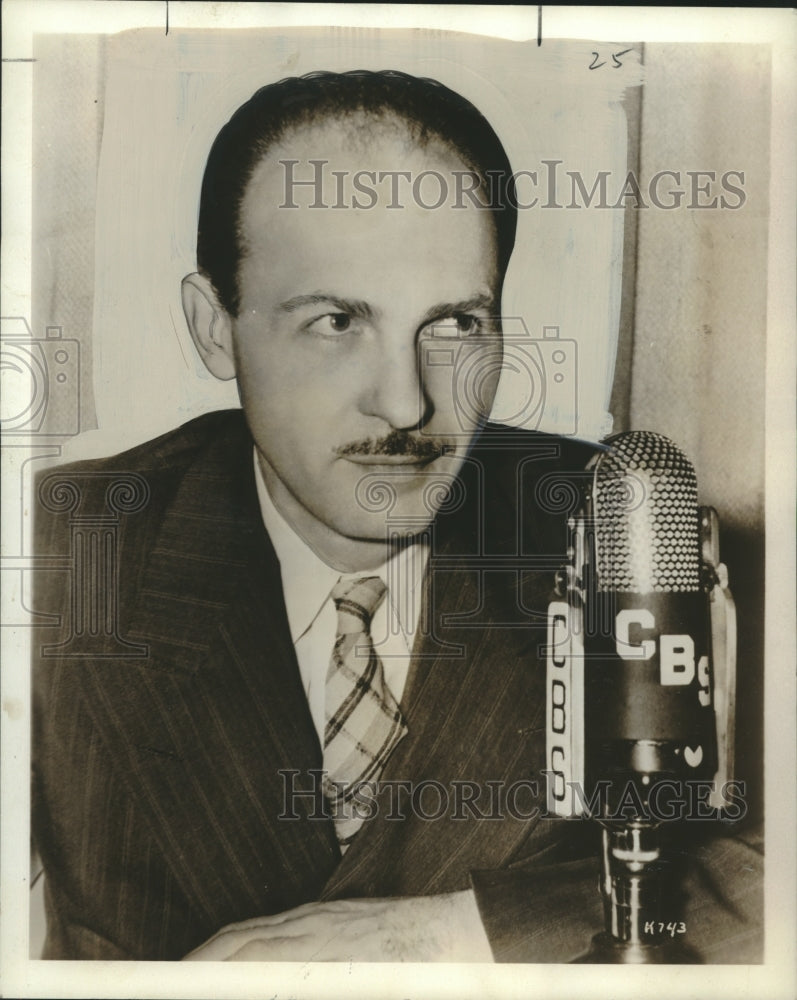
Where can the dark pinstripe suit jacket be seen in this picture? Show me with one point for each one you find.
(165, 713)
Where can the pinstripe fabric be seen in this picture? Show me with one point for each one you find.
(89, 889)
(177, 792)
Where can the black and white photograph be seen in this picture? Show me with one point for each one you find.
(398, 500)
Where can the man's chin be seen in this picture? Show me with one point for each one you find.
(399, 503)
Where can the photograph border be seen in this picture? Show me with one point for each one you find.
(22, 19)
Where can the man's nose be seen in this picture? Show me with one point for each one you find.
(396, 391)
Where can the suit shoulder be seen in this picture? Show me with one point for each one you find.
(503, 448)
(167, 453)
(139, 481)
(525, 484)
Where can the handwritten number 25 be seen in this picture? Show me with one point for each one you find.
(616, 64)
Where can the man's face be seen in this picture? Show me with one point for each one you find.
(338, 310)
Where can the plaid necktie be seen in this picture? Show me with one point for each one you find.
(363, 720)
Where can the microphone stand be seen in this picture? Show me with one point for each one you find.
(632, 882)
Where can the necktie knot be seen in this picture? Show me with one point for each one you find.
(357, 601)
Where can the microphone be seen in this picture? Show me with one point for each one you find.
(640, 675)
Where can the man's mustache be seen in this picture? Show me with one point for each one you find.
(397, 443)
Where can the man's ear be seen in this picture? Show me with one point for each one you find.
(210, 326)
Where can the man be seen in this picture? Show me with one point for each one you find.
(330, 605)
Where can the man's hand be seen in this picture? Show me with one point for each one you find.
(409, 929)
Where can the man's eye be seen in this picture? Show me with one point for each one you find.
(457, 325)
(331, 325)
(467, 325)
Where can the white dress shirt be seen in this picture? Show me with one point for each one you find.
(312, 618)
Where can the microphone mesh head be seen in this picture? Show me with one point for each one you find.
(646, 517)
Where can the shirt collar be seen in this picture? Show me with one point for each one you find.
(307, 580)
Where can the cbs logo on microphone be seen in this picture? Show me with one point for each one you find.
(538, 375)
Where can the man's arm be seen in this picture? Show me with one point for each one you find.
(445, 928)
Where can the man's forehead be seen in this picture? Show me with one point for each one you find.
(361, 129)
(364, 127)
(337, 161)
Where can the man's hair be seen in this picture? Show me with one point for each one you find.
(430, 111)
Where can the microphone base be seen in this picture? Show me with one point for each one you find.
(607, 950)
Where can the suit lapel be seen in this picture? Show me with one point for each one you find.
(205, 724)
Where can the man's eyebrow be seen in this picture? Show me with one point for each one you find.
(352, 307)
(480, 301)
